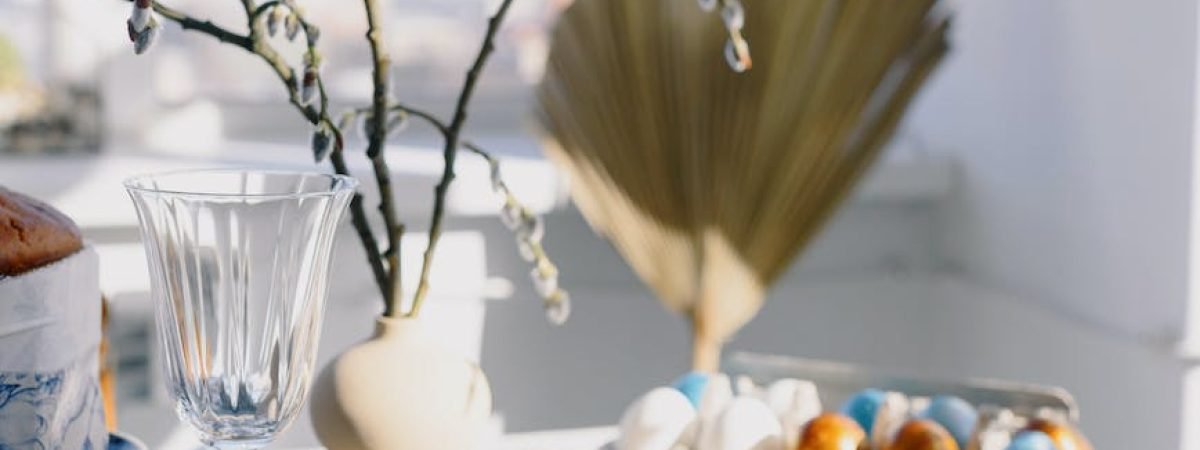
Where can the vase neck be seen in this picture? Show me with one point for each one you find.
(386, 327)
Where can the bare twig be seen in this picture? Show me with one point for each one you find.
(375, 151)
(451, 150)
(380, 60)
(358, 213)
(427, 117)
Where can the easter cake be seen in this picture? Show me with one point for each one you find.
(32, 234)
(50, 323)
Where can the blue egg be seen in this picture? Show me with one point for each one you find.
(692, 385)
(955, 415)
(863, 407)
(1031, 440)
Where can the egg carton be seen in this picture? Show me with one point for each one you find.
(838, 381)
(766, 402)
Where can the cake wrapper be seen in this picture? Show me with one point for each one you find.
(49, 357)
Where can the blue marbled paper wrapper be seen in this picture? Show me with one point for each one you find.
(49, 346)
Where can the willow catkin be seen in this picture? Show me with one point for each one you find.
(709, 182)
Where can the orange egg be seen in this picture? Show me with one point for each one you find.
(831, 432)
(921, 434)
(1064, 436)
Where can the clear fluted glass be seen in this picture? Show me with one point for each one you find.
(239, 264)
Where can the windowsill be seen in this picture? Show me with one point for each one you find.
(88, 188)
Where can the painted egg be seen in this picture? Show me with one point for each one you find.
(922, 434)
(1064, 436)
(832, 432)
(656, 420)
(692, 386)
(863, 406)
(744, 424)
(955, 415)
(1031, 440)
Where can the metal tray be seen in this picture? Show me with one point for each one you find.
(838, 381)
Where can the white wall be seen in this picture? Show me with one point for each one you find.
(1073, 122)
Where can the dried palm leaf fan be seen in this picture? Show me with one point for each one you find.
(708, 181)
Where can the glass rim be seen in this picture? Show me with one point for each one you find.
(341, 183)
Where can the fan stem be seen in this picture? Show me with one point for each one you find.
(706, 352)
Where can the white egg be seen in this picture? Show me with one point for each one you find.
(893, 413)
(689, 437)
(790, 395)
(746, 388)
(744, 424)
(656, 420)
(772, 443)
(717, 394)
(795, 402)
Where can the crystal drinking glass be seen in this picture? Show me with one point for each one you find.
(239, 264)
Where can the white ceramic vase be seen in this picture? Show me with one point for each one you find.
(400, 390)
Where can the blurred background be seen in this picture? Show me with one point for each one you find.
(1033, 220)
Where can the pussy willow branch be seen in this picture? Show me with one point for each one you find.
(375, 151)
(288, 75)
(254, 43)
(262, 9)
(388, 280)
(431, 119)
(450, 151)
(438, 125)
(542, 260)
(358, 214)
(203, 26)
